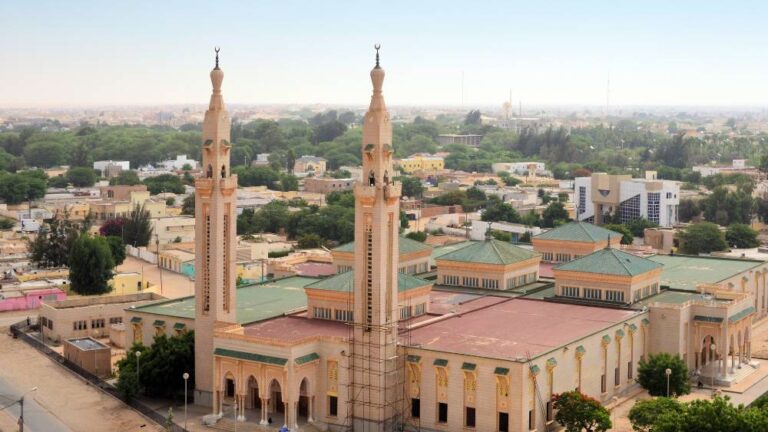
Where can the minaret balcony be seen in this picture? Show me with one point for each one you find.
(393, 190)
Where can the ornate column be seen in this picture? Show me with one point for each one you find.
(295, 416)
(286, 410)
(241, 408)
(264, 409)
(311, 408)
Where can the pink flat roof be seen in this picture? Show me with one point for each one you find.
(294, 328)
(516, 327)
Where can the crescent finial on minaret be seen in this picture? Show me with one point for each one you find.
(217, 49)
(377, 46)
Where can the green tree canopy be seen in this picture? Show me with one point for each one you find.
(419, 236)
(164, 183)
(577, 412)
(412, 187)
(703, 237)
(554, 214)
(741, 236)
(651, 374)
(128, 178)
(81, 176)
(645, 413)
(626, 235)
(137, 229)
(117, 248)
(188, 205)
(20, 187)
(688, 209)
(500, 211)
(162, 366)
(90, 265)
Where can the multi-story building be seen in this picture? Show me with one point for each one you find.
(327, 185)
(421, 162)
(309, 165)
(468, 139)
(602, 195)
(521, 168)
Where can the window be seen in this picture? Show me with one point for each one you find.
(469, 417)
(521, 280)
(405, 312)
(442, 412)
(420, 309)
(503, 422)
(549, 410)
(629, 209)
(569, 291)
(593, 294)
(322, 313)
(333, 406)
(616, 379)
(654, 199)
(614, 296)
(582, 207)
(115, 320)
(490, 284)
(97, 323)
(450, 280)
(471, 281)
(343, 315)
(546, 256)
(530, 420)
(415, 408)
(561, 257)
(79, 325)
(629, 369)
(603, 383)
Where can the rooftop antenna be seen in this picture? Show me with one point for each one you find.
(217, 49)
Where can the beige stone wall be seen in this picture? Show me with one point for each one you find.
(500, 273)
(145, 330)
(87, 311)
(410, 264)
(97, 361)
(550, 249)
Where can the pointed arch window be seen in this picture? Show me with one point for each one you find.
(209, 171)
(371, 179)
(223, 171)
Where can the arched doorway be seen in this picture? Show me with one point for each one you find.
(707, 353)
(229, 385)
(254, 401)
(276, 397)
(304, 402)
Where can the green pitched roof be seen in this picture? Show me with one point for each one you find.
(490, 252)
(579, 232)
(249, 356)
(307, 358)
(610, 261)
(345, 281)
(406, 245)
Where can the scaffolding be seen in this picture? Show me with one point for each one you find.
(377, 392)
(538, 399)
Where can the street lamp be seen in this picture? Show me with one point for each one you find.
(667, 372)
(186, 377)
(138, 369)
(21, 405)
(713, 350)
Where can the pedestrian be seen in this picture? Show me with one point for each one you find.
(27, 321)
(269, 420)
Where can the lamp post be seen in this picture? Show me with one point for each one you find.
(138, 369)
(713, 350)
(21, 406)
(186, 377)
(667, 372)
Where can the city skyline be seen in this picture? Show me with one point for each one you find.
(684, 54)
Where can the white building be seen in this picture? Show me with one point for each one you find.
(521, 168)
(179, 163)
(102, 165)
(602, 194)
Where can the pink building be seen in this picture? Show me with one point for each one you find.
(20, 299)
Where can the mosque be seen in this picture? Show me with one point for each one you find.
(483, 343)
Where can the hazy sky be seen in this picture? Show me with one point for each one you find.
(547, 52)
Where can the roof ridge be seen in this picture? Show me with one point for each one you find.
(586, 231)
(496, 249)
(613, 252)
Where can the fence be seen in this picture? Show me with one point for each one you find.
(20, 331)
(141, 253)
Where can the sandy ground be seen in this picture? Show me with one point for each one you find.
(173, 284)
(62, 394)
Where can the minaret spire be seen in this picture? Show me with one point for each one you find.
(217, 49)
(377, 46)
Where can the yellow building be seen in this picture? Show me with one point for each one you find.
(421, 162)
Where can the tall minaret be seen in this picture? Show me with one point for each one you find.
(377, 214)
(215, 241)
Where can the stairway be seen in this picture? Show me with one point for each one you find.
(228, 425)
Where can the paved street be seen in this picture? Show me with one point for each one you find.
(63, 402)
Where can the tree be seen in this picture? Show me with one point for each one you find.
(741, 236)
(112, 227)
(90, 265)
(164, 183)
(500, 211)
(702, 415)
(58, 182)
(53, 243)
(329, 131)
(81, 176)
(626, 235)
(310, 241)
(46, 153)
(688, 210)
(473, 118)
(578, 412)
(651, 375)
(645, 413)
(137, 229)
(412, 187)
(128, 178)
(188, 205)
(419, 236)
(162, 366)
(637, 226)
(20, 187)
(703, 237)
(289, 182)
(117, 248)
(554, 214)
